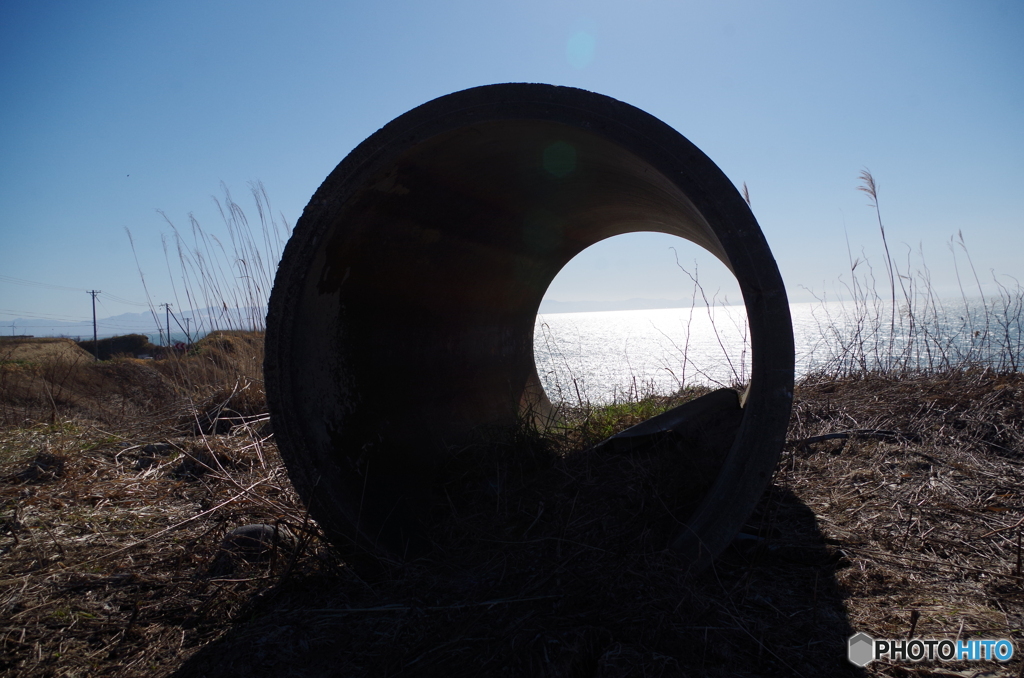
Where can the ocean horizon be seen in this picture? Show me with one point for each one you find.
(604, 356)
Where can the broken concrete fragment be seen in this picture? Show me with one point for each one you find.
(717, 412)
(143, 463)
(255, 542)
(698, 435)
(45, 466)
(163, 449)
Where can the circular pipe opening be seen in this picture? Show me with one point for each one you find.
(636, 315)
(401, 320)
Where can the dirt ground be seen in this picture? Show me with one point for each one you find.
(897, 509)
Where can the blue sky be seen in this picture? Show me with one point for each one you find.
(112, 110)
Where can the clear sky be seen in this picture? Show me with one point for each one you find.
(112, 110)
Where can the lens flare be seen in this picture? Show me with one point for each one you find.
(560, 159)
(580, 49)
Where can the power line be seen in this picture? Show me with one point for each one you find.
(124, 301)
(77, 329)
(27, 314)
(188, 337)
(75, 323)
(32, 283)
(48, 286)
(110, 326)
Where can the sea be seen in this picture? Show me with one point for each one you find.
(608, 356)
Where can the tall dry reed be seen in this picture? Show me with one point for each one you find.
(222, 281)
(901, 326)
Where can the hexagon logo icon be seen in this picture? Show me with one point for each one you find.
(861, 649)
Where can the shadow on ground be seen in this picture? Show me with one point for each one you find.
(769, 607)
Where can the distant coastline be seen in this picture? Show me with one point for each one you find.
(150, 323)
(154, 324)
(551, 306)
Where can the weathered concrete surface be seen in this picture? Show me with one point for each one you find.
(255, 542)
(697, 435)
(709, 420)
(401, 320)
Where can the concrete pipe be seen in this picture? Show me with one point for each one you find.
(401, 320)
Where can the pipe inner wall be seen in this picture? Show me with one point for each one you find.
(401, 320)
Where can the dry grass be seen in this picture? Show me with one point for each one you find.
(109, 562)
(552, 564)
(115, 499)
(55, 389)
(904, 328)
(38, 349)
(930, 519)
(221, 377)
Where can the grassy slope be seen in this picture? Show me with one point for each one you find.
(35, 350)
(111, 566)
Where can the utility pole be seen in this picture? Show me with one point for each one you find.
(95, 341)
(167, 313)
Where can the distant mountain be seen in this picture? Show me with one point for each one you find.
(551, 306)
(197, 322)
(204, 320)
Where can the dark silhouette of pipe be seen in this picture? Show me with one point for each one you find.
(401, 320)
